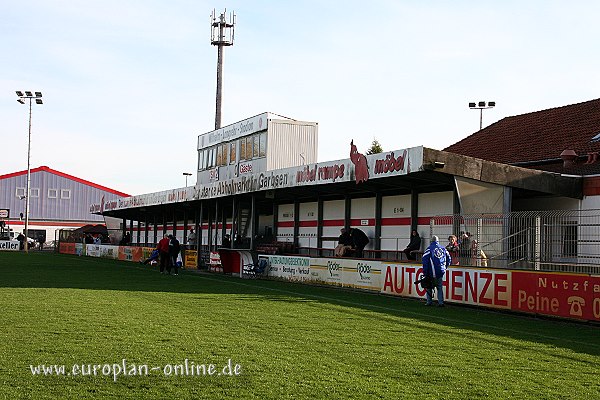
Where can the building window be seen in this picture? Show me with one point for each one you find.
(34, 192)
(52, 193)
(200, 160)
(65, 194)
(219, 155)
(249, 145)
(263, 145)
(20, 193)
(242, 149)
(232, 157)
(255, 139)
(224, 154)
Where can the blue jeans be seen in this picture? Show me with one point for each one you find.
(437, 282)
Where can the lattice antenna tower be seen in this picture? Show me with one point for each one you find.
(222, 30)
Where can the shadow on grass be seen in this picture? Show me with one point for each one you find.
(47, 270)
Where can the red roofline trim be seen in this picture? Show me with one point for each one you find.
(62, 174)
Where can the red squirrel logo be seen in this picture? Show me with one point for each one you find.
(361, 169)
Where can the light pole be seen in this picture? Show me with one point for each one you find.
(186, 174)
(482, 106)
(38, 100)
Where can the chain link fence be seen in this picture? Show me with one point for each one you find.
(563, 240)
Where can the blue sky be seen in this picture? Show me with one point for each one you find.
(129, 84)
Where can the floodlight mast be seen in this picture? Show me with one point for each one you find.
(222, 34)
(482, 105)
(38, 100)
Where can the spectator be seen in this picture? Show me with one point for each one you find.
(21, 239)
(413, 245)
(174, 249)
(453, 248)
(126, 240)
(359, 241)
(226, 242)
(163, 249)
(153, 257)
(191, 240)
(464, 244)
(478, 257)
(435, 261)
(344, 243)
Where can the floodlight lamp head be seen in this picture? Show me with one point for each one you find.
(38, 94)
(482, 104)
(472, 105)
(38, 101)
(19, 93)
(491, 104)
(28, 93)
(21, 101)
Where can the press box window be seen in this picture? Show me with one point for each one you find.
(263, 145)
(52, 193)
(20, 193)
(34, 192)
(200, 160)
(65, 194)
(232, 157)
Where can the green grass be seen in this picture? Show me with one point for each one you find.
(291, 340)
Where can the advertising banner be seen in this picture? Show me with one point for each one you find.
(289, 268)
(327, 271)
(484, 287)
(564, 295)
(104, 251)
(191, 259)
(127, 253)
(10, 245)
(67, 248)
(361, 274)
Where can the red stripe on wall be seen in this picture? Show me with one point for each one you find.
(62, 174)
(285, 224)
(333, 222)
(307, 224)
(53, 223)
(423, 220)
(395, 221)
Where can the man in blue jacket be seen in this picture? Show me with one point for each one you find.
(435, 261)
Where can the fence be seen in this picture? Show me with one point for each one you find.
(564, 240)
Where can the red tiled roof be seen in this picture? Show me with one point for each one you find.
(62, 174)
(540, 135)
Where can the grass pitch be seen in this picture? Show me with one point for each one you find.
(288, 340)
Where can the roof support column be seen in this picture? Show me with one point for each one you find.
(253, 221)
(155, 230)
(378, 206)
(275, 221)
(296, 224)
(414, 211)
(234, 224)
(320, 226)
(347, 211)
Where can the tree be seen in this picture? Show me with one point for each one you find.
(375, 148)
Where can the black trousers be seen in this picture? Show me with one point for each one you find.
(165, 262)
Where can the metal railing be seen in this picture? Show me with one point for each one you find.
(561, 240)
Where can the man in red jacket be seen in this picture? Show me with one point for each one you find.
(163, 248)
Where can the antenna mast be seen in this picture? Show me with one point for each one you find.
(221, 34)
